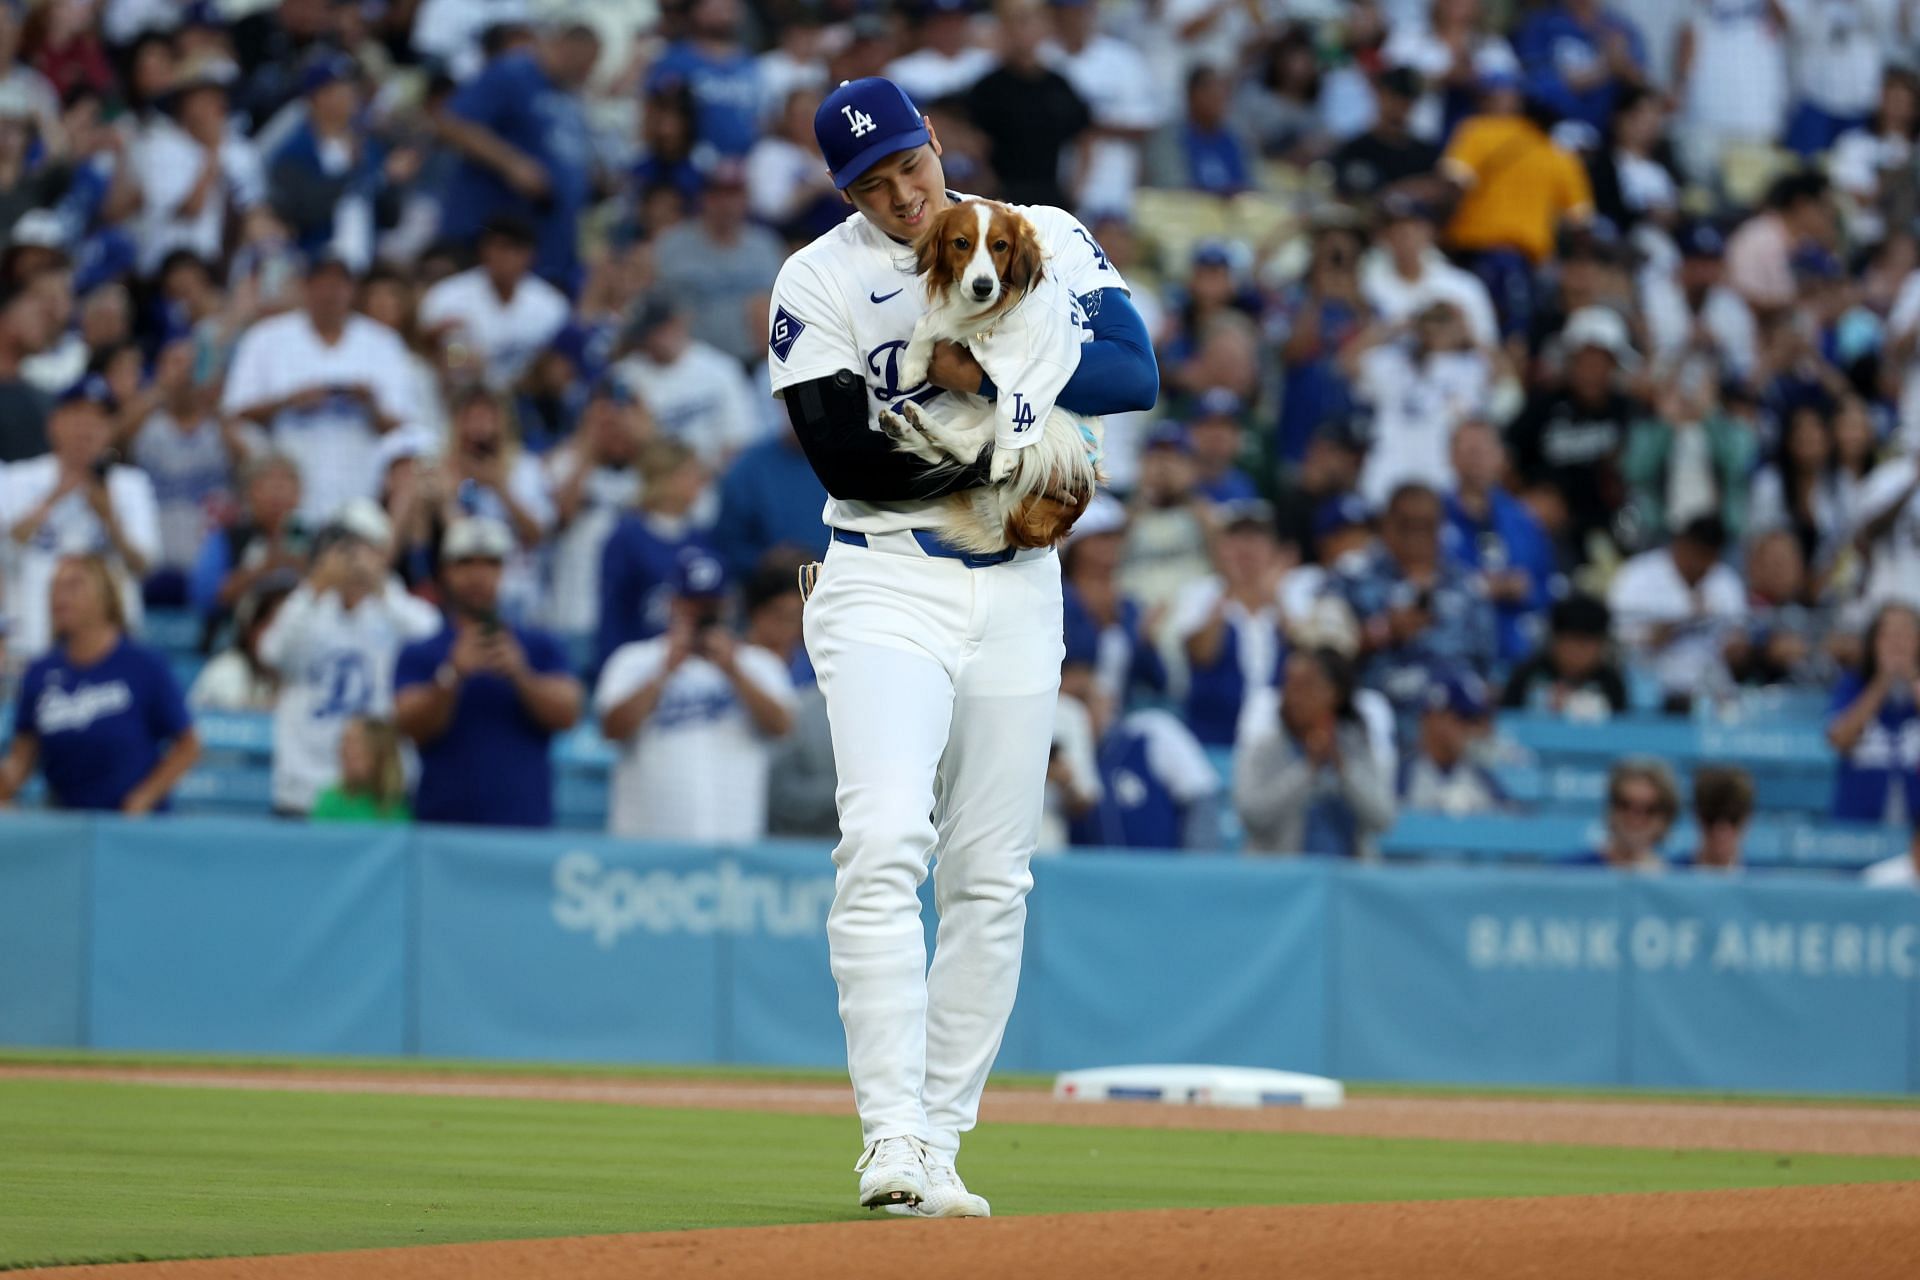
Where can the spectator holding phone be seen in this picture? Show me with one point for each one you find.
(1875, 724)
(695, 714)
(334, 642)
(483, 699)
(74, 500)
(1310, 779)
(99, 714)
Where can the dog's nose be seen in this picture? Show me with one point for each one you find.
(982, 288)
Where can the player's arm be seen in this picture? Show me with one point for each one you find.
(1118, 371)
(859, 464)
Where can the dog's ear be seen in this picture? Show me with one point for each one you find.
(1027, 265)
(929, 256)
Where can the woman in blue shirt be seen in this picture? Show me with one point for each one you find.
(1875, 724)
(100, 715)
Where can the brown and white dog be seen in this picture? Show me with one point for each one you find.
(978, 261)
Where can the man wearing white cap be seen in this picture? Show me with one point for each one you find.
(482, 698)
(1569, 438)
(334, 642)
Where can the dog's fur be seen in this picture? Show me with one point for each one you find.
(977, 261)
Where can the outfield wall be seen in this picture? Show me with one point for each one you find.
(262, 937)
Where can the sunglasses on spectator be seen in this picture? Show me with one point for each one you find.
(1639, 808)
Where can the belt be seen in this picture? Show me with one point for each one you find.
(934, 545)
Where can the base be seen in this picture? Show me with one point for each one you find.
(1199, 1086)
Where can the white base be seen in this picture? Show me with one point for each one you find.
(1199, 1086)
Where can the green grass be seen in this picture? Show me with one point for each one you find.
(102, 1172)
(29, 1057)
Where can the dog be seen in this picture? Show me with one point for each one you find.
(981, 263)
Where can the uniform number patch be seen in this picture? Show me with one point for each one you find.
(786, 331)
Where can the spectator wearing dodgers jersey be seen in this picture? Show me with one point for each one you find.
(73, 499)
(696, 393)
(483, 698)
(1116, 82)
(521, 132)
(499, 312)
(99, 714)
(325, 383)
(694, 713)
(334, 642)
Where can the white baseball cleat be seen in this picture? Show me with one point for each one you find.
(893, 1173)
(947, 1196)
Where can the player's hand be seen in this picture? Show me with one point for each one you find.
(139, 802)
(953, 368)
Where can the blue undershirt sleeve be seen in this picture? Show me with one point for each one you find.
(1118, 372)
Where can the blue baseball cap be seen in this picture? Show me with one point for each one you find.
(700, 575)
(863, 122)
(1816, 263)
(1701, 239)
(91, 389)
(326, 69)
(1167, 435)
(1347, 512)
(1461, 692)
(1212, 253)
(1218, 402)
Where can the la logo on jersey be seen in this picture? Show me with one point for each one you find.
(859, 121)
(1022, 412)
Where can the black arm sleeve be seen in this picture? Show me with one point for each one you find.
(857, 463)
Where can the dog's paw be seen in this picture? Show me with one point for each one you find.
(917, 417)
(897, 427)
(1005, 463)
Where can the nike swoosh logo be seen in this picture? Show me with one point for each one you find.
(874, 297)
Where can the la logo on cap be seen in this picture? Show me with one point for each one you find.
(859, 121)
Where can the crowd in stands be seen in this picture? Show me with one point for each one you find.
(1519, 356)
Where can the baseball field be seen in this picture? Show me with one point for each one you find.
(286, 1169)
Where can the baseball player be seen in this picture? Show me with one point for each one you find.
(940, 669)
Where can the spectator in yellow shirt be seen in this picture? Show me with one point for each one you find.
(1517, 186)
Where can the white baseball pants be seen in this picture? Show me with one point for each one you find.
(940, 684)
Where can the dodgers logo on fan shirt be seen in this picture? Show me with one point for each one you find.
(786, 331)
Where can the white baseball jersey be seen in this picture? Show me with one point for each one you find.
(573, 598)
(192, 480)
(703, 399)
(850, 299)
(1896, 553)
(71, 528)
(332, 442)
(697, 768)
(506, 333)
(334, 663)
